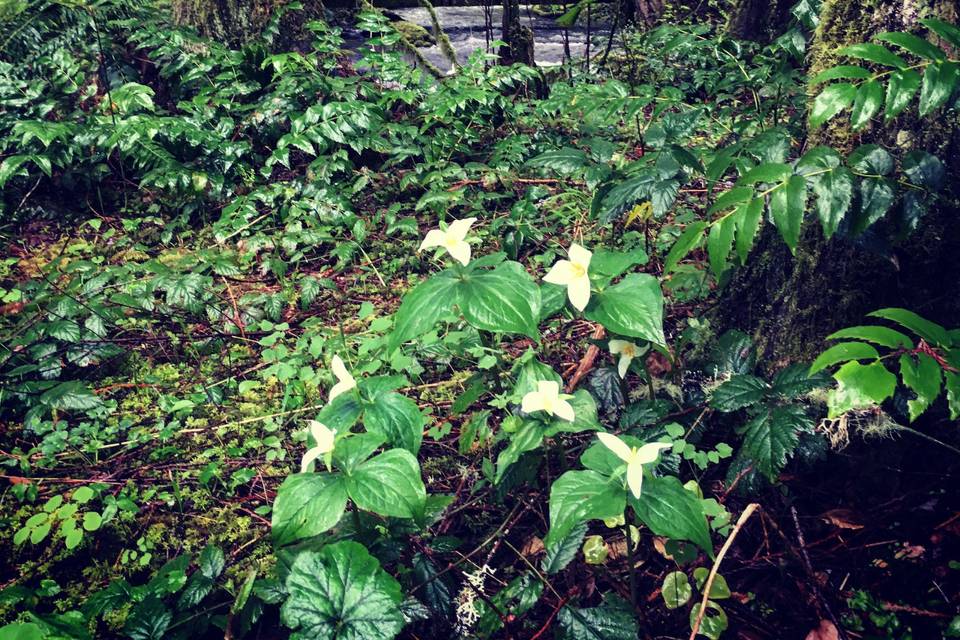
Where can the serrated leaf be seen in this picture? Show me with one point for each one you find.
(435, 591)
(840, 72)
(748, 224)
(922, 375)
(939, 82)
(929, 331)
(787, 206)
(832, 183)
(720, 241)
(883, 336)
(860, 386)
(831, 101)
(866, 105)
(844, 352)
(563, 552)
(770, 438)
(914, 44)
(901, 88)
(874, 53)
(563, 161)
(614, 619)
(738, 392)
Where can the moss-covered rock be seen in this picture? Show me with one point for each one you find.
(417, 36)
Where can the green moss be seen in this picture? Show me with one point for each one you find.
(415, 34)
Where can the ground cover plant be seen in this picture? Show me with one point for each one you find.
(301, 340)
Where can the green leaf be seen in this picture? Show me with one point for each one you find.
(423, 307)
(831, 101)
(563, 161)
(795, 380)
(714, 622)
(689, 239)
(354, 449)
(578, 496)
(527, 438)
(720, 241)
(739, 392)
(771, 173)
(70, 396)
(91, 521)
(770, 438)
(341, 593)
(866, 105)
(874, 53)
(947, 31)
(860, 386)
(929, 331)
(676, 590)
(307, 505)
(398, 419)
(148, 620)
(901, 88)
(832, 183)
(670, 510)
(719, 590)
(614, 263)
(939, 81)
(787, 205)
(952, 383)
(748, 223)
(844, 352)
(922, 375)
(561, 554)
(732, 198)
(633, 307)
(614, 619)
(883, 336)
(840, 72)
(435, 590)
(505, 300)
(914, 44)
(388, 484)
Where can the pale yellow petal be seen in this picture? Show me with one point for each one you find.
(615, 444)
(458, 229)
(549, 388)
(340, 369)
(341, 387)
(616, 346)
(460, 251)
(624, 365)
(434, 238)
(649, 452)
(579, 255)
(532, 402)
(564, 410)
(561, 273)
(579, 292)
(308, 457)
(635, 478)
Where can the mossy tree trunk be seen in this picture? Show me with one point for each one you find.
(790, 303)
(518, 37)
(760, 20)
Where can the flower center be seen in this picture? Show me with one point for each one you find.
(578, 270)
(630, 351)
(449, 242)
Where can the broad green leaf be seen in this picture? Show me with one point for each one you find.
(388, 484)
(831, 101)
(423, 307)
(670, 510)
(70, 396)
(563, 161)
(148, 620)
(398, 419)
(341, 593)
(689, 239)
(599, 458)
(914, 44)
(939, 81)
(748, 223)
(307, 505)
(795, 380)
(771, 172)
(633, 307)
(720, 241)
(787, 206)
(527, 438)
(739, 392)
(947, 31)
(614, 263)
(579, 496)
(770, 437)
(341, 413)
(614, 619)
(354, 448)
(561, 554)
(676, 590)
(866, 105)
(585, 416)
(929, 331)
(732, 198)
(844, 352)
(924, 169)
(505, 300)
(435, 590)
(714, 621)
(832, 183)
(840, 72)
(860, 386)
(883, 336)
(922, 375)
(874, 53)
(951, 381)
(719, 590)
(901, 88)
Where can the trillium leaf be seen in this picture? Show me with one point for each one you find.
(388, 484)
(672, 511)
(505, 300)
(307, 505)
(633, 307)
(578, 496)
(341, 593)
(423, 307)
(398, 419)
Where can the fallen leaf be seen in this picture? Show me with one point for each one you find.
(842, 518)
(826, 631)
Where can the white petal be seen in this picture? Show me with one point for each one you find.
(564, 410)
(549, 389)
(532, 402)
(616, 346)
(434, 238)
(341, 387)
(579, 255)
(460, 251)
(615, 444)
(649, 452)
(624, 365)
(561, 273)
(579, 292)
(308, 457)
(635, 478)
(458, 229)
(340, 369)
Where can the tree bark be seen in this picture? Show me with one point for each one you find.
(790, 304)
(760, 20)
(518, 37)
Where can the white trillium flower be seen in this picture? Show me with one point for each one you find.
(451, 239)
(345, 381)
(572, 274)
(324, 437)
(548, 398)
(627, 352)
(634, 457)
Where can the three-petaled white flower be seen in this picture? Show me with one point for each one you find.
(324, 438)
(547, 398)
(635, 457)
(627, 352)
(451, 239)
(345, 381)
(573, 275)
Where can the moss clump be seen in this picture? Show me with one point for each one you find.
(417, 36)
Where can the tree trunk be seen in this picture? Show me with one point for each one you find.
(229, 21)
(518, 37)
(761, 20)
(790, 303)
(647, 12)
